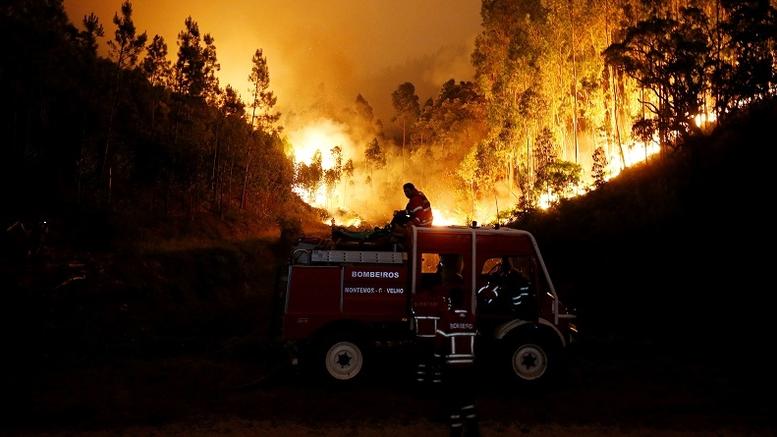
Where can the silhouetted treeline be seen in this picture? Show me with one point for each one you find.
(132, 133)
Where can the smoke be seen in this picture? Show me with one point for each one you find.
(349, 46)
(426, 73)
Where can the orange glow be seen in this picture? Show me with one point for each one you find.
(350, 200)
(343, 48)
(547, 200)
(634, 152)
(320, 136)
(346, 221)
(443, 217)
(320, 56)
(705, 120)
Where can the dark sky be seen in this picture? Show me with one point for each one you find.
(342, 47)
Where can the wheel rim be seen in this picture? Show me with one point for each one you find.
(530, 362)
(344, 360)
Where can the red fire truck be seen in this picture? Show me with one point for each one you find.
(341, 301)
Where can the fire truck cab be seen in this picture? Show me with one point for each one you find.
(340, 302)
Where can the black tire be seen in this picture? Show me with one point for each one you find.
(531, 360)
(341, 358)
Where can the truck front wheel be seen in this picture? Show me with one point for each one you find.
(531, 361)
(343, 359)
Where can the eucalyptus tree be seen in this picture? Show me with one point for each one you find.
(747, 71)
(670, 58)
(506, 69)
(364, 109)
(374, 155)
(406, 110)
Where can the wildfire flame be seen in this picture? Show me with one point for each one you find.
(444, 217)
(705, 120)
(634, 153)
(321, 136)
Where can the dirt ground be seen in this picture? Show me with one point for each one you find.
(240, 427)
(217, 394)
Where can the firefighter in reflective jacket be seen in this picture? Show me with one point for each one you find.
(418, 211)
(454, 350)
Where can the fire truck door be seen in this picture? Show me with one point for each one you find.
(443, 271)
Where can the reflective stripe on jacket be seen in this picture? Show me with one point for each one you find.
(455, 339)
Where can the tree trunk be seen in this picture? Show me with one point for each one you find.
(718, 49)
(509, 173)
(529, 160)
(108, 147)
(229, 182)
(215, 160)
(112, 112)
(615, 119)
(404, 126)
(244, 195)
(574, 83)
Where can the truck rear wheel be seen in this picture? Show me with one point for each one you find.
(343, 359)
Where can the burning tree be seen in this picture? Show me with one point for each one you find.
(555, 178)
(374, 155)
(599, 168)
(310, 176)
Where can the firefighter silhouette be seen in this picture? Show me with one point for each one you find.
(446, 353)
(455, 343)
(508, 291)
(454, 351)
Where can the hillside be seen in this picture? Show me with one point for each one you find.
(674, 253)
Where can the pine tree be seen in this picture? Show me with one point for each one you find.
(93, 29)
(126, 45)
(125, 49)
(263, 115)
(155, 66)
